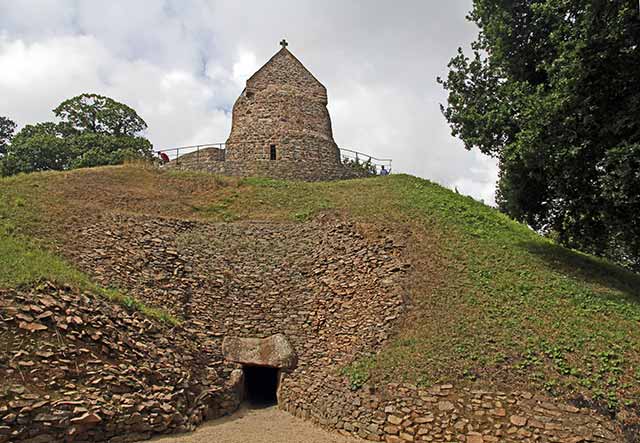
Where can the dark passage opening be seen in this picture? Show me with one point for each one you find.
(273, 152)
(261, 385)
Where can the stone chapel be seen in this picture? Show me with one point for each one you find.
(280, 128)
(282, 117)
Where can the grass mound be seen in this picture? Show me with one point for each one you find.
(26, 256)
(492, 302)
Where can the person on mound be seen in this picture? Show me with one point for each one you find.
(384, 171)
(164, 158)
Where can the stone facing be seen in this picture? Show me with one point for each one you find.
(281, 169)
(334, 289)
(80, 368)
(399, 413)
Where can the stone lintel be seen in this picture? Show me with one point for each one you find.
(273, 352)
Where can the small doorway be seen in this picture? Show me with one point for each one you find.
(261, 385)
(272, 152)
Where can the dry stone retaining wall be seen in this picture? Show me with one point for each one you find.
(334, 293)
(79, 368)
(282, 169)
(404, 413)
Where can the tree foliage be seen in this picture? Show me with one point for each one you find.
(366, 167)
(552, 90)
(102, 149)
(40, 152)
(7, 128)
(93, 131)
(98, 114)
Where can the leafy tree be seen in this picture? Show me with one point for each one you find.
(29, 131)
(101, 149)
(99, 114)
(7, 128)
(40, 152)
(552, 91)
(94, 131)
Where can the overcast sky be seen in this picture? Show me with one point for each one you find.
(182, 63)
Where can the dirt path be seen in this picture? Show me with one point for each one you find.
(269, 425)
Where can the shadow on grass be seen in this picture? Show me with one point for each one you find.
(585, 267)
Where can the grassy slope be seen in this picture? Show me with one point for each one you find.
(26, 258)
(493, 302)
(515, 308)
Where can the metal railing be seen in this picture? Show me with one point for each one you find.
(176, 153)
(346, 156)
(349, 155)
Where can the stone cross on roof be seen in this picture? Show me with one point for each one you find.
(284, 43)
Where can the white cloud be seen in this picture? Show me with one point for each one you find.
(181, 65)
(32, 81)
(174, 103)
(244, 68)
(481, 181)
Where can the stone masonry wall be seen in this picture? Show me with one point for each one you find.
(336, 295)
(202, 156)
(333, 288)
(309, 168)
(398, 413)
(76, 367)
(285, 106)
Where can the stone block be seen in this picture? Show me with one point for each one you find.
(273, 352)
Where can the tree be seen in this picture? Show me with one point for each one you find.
(98, 114)
(552, 91)
(41, 152)
(101, 149)
(29, 131)
(7, 128)
(94, 131)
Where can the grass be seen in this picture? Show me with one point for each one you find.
(492, 302)
(515, 308)
(359, 372)
(24, 261)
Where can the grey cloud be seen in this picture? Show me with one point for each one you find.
(180, 62)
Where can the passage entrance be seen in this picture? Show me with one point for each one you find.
(261, 385)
